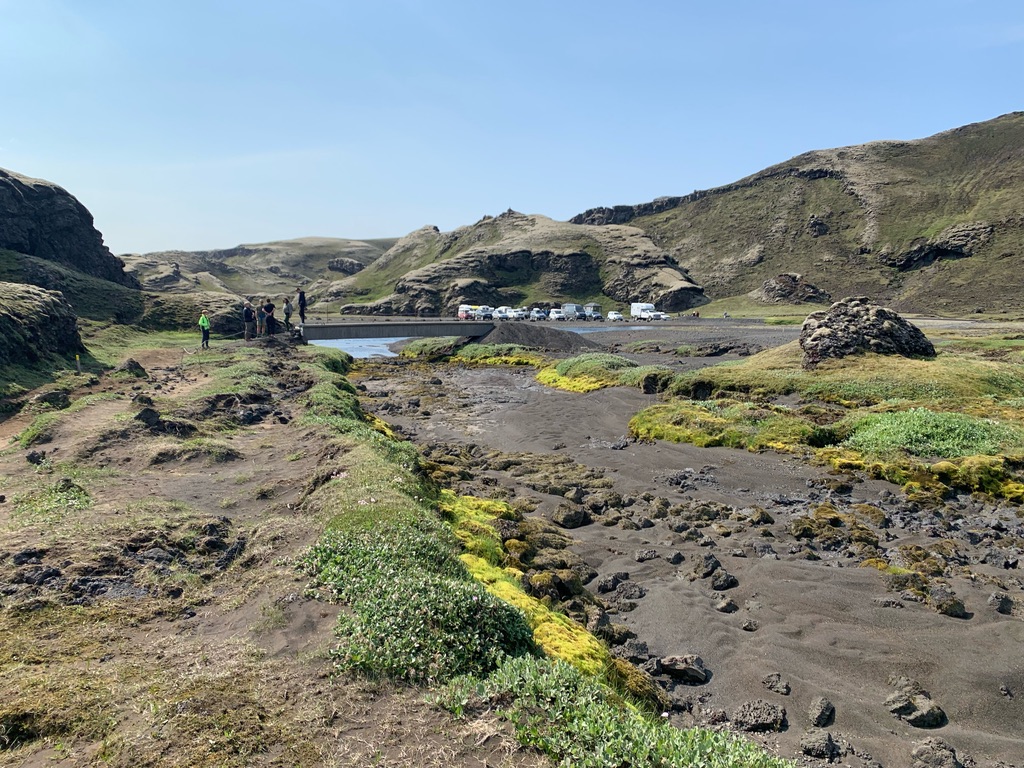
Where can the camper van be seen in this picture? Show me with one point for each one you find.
(639, 310)
(466, 312)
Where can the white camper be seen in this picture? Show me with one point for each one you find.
(639, 310)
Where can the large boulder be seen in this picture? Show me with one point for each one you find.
(855, 325)
(790, 288)
(40, 219)
(35, 325)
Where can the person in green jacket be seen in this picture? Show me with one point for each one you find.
(204, 325)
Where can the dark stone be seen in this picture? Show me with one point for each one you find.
(705, 565)
(688, 669)
(819, 744)
(570, 516)
(55, 398)
(722, 580)
(776, 684)
(643, 555)
(854, 325)
(913, 705)
(132, 367)
(821, 712)
(935, 753)
(759, 715)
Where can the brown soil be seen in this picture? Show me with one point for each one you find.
(166, 624)
(803, 610)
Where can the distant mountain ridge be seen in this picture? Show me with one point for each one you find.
(934, 224)
(263, 268)
(930, 225)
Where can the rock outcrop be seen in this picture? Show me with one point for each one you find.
(35, 324)
(790, 288)
(854, 325)
(503, 259)
(41, 219)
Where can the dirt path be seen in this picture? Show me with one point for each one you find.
(805, 615)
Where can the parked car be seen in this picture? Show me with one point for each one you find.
(503, 313)
(484, 313)
(556, 314)
(466, 312)
(615, 317)
(538, 314)
(592, 311)
(572, 312)
(660, 315)
(520, 313)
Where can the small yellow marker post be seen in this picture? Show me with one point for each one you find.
(78, 364)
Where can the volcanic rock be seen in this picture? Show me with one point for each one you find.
(759, 715)
(913, 705)
(854, 325)
(819, 744)
(35, 323)
(687, 669)
(935, 753)
(790, 288)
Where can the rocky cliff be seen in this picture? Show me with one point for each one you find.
(41, 219)
(35, 325)
(516, 259)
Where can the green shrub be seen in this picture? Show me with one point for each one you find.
(561, 712)
(415, 613)
(922, 432)
(596, 364)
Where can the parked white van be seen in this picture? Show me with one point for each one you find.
(640, 310)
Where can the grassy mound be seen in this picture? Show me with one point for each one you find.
(931, 425)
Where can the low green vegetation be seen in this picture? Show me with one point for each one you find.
(929, 425)
(569, 716)
(448, 349)
(927, 434)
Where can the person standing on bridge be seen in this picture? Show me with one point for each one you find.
(268, 310)
(249, 320)
(301, 301)
(287, 309)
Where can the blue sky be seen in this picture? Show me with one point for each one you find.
(196, 124)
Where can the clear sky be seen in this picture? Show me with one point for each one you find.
(199, 124)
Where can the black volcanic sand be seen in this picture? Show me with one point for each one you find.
(826, 626)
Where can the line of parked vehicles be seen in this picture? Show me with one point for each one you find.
(567, 312)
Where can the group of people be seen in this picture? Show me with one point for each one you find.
(261, 320)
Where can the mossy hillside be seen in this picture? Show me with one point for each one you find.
(878, 198)
(91, 297)
(414, 611)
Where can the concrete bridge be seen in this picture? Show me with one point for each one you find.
(394, 327)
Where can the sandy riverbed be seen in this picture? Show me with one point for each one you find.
(824, 626)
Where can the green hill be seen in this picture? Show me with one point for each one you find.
(935, 224)
(274, 268)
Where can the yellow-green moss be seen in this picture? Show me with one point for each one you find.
(552, 378)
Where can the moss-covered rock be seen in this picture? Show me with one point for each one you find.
(36, 325)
